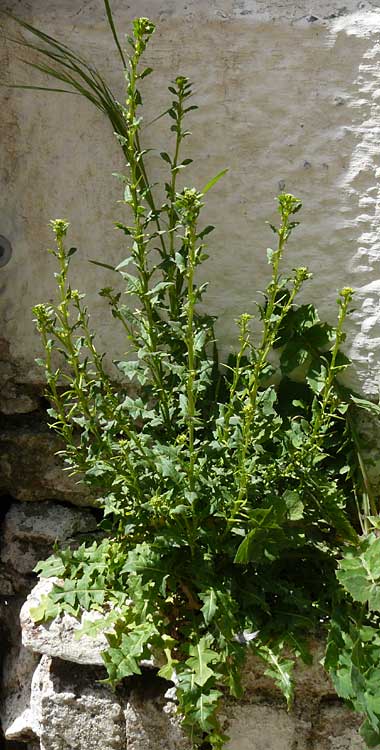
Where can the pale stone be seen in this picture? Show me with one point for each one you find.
(263, 727)
(57, 637)
(337, 728)
(30, 530)
(21, 728)
(29, 468)
(76, 713)
(17, 673)
(17, 718)
(70, 710)
(151, 723)
(28, 535)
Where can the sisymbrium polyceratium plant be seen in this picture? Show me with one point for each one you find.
(238, 512)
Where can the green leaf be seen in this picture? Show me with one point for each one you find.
(136, 641)
(213, 182)
(205, 231)
(205, 709)
(320, 335)
(359, 572)
(180, 262)
(146, 72)
(91, 628)
(45, 610)
(367, 405)
(280, 669)
(53, 567)
(168, 670)
(82, 592)
(165, 157)
(267, 399)
(294, 354)
(114, 34)
(200, 340)
(370, 735)
(148, 563)
(118, 665)
(102, 265)
(210, 605)
(266, 538)
(294, 505)
(200, 657)
(316, 376)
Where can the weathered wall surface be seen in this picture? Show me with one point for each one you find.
(288, 95)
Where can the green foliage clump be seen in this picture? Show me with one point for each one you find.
(237, 515)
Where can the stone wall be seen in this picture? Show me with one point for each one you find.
(288, 95)
(51, 696)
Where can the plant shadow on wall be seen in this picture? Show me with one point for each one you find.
(238, 513)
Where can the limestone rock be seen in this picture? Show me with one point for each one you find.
(30, 530)
(17, 718)
(15, 397)
(29, 468)
(57, 637)
(28, 534)
(74, 711)
(337, 728)
(70, 710)
(263, 727)
(151, 721)
(17, 672)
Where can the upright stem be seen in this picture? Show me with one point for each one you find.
(269, 335)
(138, 234)
(191, 403)
(173, 296)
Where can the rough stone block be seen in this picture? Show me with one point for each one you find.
(56, 638)
(30, 470)
(28, 534)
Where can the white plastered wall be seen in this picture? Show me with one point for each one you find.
(289, 99)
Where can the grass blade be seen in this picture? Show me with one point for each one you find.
(114, 34)
(213, 181)
(38, 88)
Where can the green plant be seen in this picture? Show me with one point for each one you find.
(238, 513)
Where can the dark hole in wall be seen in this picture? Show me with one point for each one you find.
(5, 251)
(33, 421)
(5, 503)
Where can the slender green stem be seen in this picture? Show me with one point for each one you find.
(269, 335)
(244, 344)
(191, 403)
(139, 238)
